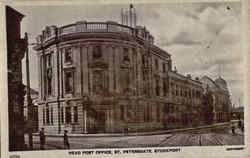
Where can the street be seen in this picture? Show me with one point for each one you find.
(165, 140)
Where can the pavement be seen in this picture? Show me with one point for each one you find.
(127, 141)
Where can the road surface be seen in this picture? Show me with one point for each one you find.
(165, 140)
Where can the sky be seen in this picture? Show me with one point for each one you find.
(203, 38)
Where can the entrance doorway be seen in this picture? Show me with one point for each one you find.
(100, 122)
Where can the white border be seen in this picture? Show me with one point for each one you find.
(192, 151)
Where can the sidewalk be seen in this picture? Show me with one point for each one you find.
(207, 127)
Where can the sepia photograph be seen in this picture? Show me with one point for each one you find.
(137, 76)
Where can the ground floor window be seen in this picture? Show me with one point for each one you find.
(75, 114)
(52, 118)
(43, 116)
(122, 113)
(47, 116)
(68, 115)
(62, 115)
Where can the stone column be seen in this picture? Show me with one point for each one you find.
(117, 68)
(77, 73)
(110, 54)
(90, 74)
(85, 70)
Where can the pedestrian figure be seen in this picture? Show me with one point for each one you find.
(233, 129)
(66, 140)
(42, 139)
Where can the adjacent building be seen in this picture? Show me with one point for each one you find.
(110, 77)
(16, 47)
(221, 103)
(34, 99)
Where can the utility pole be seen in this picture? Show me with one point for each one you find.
(29, 100)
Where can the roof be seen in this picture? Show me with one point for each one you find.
(12, 12)
(220, 80)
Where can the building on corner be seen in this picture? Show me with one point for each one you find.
(110, 77)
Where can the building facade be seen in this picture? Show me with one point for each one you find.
(34, 98)
(221, 103)
(110, 77)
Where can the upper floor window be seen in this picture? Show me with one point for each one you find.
(68, 115)
(143, 60)
(49, 75)
(97, 52)
(156, 64)
(49, 60)
(69, 82)
(165, 87)
(125, 54)
(164, 67)
(98, 79)
(157, 86)
(68, 56)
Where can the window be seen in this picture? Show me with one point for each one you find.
(122, 113)
(164, 87)
(125, 54)
(68, 115)
(98, 85)
(97, 52)
(177, 90)
(156, 64)
(147, 113)
(69, 82)
(143, 60)
(49, 73)
(68, 55)
(173, 86)
(52, 118)
(62, 116)
(49, 60)
(49, 81)
(164, 67)
(43, 116)
(157, 87)
(75, 114)
(47, 116)
(158, 113)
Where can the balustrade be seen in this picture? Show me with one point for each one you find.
(90, 27)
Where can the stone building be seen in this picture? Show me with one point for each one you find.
(34, 98)
(16, 47)
(221, 98)
(110, 77)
